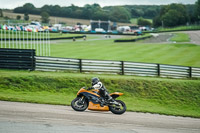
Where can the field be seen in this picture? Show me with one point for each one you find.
(106, 49)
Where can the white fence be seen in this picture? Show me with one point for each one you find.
(21, 39)
(115, 67)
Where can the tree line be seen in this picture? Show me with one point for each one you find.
(94, 12)
(178, 14)
(162, 15)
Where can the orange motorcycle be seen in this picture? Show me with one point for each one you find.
(92, 100)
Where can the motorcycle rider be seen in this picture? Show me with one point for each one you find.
(96, 84)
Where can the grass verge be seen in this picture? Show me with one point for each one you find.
(180, 37)
(155, 95)
(133, 39)
(179, 28)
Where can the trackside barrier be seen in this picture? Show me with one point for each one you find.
(115, 67)
(17, 59)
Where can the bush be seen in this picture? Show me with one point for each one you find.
(143, 22)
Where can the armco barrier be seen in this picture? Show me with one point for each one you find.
(17, 59)
(115, 67)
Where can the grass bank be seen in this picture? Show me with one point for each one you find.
(178, 28)
(180, 37)
(135, 38)
(154, 95)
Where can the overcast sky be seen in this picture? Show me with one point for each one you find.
(11, 4)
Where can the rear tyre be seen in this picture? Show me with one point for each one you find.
(79, 104)
(118, 109)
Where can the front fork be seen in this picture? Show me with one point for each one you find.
(82, 100)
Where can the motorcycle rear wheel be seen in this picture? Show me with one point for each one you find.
(79, 105)
(118, 109)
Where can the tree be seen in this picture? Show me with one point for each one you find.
(156, 21)
(197, 10)
(172, 15)
(18, 17)
(87, 12)
(28, 7)
(66, 12)
(26, 16)
(78, 13)
(45, 17)
(1, 13)
(56, 10)
(150, 13)
(120, 14)
(137, 13)
(143, 22)
(171, 18)
(101, 15)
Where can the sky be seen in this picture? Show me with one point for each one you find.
(11, 4)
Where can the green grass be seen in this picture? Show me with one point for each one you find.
(175, 54)
(134, 20)
(179, 28)
(155, 95)
(136, 37)
(180, 37)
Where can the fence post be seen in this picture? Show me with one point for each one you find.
(158, 69)
(122, 63)
(33, 60)
(80, 65)
(190, 72)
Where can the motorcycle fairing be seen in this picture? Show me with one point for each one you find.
(91, 97)
(84, 90)
(97, 107)
(116, 94)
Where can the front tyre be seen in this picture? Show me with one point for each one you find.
(79, 104)
(118, 109)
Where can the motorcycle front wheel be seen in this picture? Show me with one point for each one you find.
(79, 104)
(118, 109)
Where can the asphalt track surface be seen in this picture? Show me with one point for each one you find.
(41, 118)
(194, 36)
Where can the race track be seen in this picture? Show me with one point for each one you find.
(194, 36)
(39, 118)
